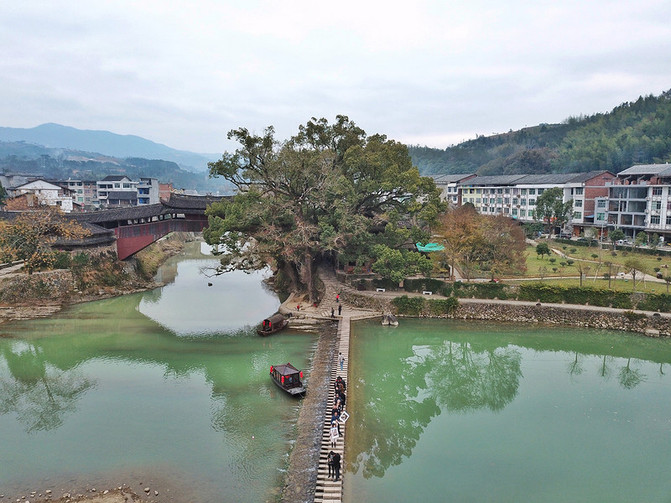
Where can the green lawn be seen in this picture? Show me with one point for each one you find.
(624, 285)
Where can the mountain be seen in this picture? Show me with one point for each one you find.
(637, 132)
(111, 144)
(33, 160)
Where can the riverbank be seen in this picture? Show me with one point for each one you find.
(41, 294)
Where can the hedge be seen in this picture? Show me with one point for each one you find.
(415, 306)
(423, 284)
(574, 295)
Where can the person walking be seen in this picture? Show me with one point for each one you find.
(333, 312)
(337, 298)
(329, 460)
(339, 309)
(336, 465)
(341, 360)
(334, 433)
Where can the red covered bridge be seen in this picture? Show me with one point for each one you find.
(137, 227)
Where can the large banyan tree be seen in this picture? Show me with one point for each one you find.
(329, 191)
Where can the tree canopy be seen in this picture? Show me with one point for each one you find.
(551, 208)
(330, 191)
(30, 235)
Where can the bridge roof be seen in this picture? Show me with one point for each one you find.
(115, 214)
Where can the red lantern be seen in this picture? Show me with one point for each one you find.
(301, 374)
(271, 369)
(282, 379)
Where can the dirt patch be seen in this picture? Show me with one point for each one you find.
(301, 477)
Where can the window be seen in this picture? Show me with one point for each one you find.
(577, 215)
(523, 202)
(656, 205)
(506, 200)
(654, 220)
(577, 203)
(601, 203)
(657, 191)
(499, 200)
(516, 201)
(532, 192)
(668, 220)
(524, 192)
(540, 191)
(499, 191)
(532, 202)
(601, 217)
(117, 186)
(523, 213)
(492, 200)
(578, 191)
(514, 212)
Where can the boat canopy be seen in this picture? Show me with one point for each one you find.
(429, 247)
(285, 370)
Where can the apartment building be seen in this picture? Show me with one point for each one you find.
(449, 186)
(639, 200)
(84, 192)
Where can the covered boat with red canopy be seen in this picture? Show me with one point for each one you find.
(288, 378)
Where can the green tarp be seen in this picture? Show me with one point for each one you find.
(429, 247)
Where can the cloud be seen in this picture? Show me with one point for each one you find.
(184, 73)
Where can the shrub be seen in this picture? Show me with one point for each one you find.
(411, 306)
(440, 307)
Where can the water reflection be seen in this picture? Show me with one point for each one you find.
(150, 392)
(38, 393)
(465, 372)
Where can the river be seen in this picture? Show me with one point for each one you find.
(471, 411)
(167, 388)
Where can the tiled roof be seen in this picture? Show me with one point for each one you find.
(451, 178)
(647, 169)
(183, 202)
(546, 179)
(122, 194)
(493, 180)
(583, 177)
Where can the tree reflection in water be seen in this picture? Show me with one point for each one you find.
(422, 378)
(453, 375)
(40, 394)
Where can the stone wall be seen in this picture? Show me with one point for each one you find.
(654, 326)
(24, 288)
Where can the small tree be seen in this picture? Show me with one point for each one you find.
(667, 280)
(542, 249)
(634, 265)
(615, 236)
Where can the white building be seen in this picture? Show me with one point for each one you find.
(47, 194)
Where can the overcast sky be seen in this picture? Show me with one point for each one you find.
(422, 72)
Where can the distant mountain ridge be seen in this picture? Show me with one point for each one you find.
(637, 132)
(53, 135)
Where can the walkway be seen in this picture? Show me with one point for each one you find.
(328, 490)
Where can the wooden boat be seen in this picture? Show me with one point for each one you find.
(288, 378)
(271, 325)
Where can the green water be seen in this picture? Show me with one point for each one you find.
(171, 384)
(474, 412)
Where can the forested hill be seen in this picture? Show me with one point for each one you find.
(637, 132)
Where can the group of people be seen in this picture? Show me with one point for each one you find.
(336, 413)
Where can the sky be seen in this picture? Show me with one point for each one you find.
(423, 72)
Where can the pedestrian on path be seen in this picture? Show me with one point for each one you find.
(341, 360)
(333, 312)
(329, 460)
(336, 465)
(337, 298)
(339, 309)
(334, 433)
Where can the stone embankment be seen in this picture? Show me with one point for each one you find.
(650, 324)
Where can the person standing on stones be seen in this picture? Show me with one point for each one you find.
(334, 433)
(337, 298)
(341, 360)
(333, 312)
(339, 309)
(336, 465)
